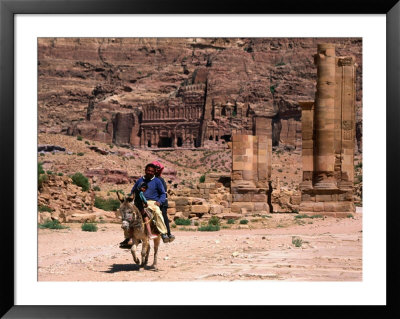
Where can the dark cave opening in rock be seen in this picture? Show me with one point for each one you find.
(165, 142)
(179, 141)
(226, 138)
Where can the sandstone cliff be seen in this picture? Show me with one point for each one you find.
(84, 83)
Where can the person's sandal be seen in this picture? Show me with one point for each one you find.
(165, 238)
(171, 238)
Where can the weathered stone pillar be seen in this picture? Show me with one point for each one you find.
(328, 137)
(324, 113)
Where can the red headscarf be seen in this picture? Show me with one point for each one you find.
(158, 164)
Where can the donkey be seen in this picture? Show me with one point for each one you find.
(132, 223)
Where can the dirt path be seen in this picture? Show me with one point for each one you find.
(331, 250)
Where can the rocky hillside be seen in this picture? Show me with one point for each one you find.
(87, 80)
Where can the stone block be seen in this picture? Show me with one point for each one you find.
(171, 211)
(318, 207)
(345, 207)
(236, 206)
(182, 201)
(224, 203)
(330, 206)
(295, 199)
(259, 198)
(216, 209)
(200, 209)
(171, 204)
(323, 198)
(261, 207)
(306, 206)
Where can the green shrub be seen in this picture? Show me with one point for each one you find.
(79, 138)
(42, 177)
(301, 216)
(40, 168)
(52, 224)
(96, 188)
(104, 119)
(196, 223)
(243, 221)
(49, 173)
(202, 178)
(214, 220)
(89, 227)
(182, 221)
(173, 225)
(297, 241)
(209, 228)
(231, 221)
(80, 180)
(109, 204)
(80, 154)
(60, 174)
(44, 208)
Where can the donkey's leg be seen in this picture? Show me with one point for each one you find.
(156, 244)
(146, 258)
(133, 251)
(145, 248)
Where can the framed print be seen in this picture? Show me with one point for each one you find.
(198, 106)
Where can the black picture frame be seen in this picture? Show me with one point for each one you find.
(8, 10)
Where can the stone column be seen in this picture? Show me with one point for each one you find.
(324, 114)
(307, 131)
(345, 101)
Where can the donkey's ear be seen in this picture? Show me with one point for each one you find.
(130, 198)
(121, 198)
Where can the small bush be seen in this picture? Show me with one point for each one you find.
(301, 216)
(297, 241)
(60, 174)
(79, 138)
(202, 178)
(109, 204)
(89, 227)
(80, 180)
(87, 142)
(44, 208)
(350, 216)
(182, 221)
(280, 170)
(196, 223)
(209, 228)
(243, 221)
(80, 154)
(96, 188)
(52, 224)
(173, 225)
(104, 119)
(187, 229)
(40, 168)
(231, 221)
(214, 221)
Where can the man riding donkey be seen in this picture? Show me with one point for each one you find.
(153, 195)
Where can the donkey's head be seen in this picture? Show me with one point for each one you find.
(128, 211)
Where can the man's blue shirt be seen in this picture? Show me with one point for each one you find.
(155, 189)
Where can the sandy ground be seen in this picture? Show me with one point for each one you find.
(331, 250)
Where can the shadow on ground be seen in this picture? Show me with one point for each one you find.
(122, 267)
(128, 267)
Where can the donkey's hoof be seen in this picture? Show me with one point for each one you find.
(137, 261)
